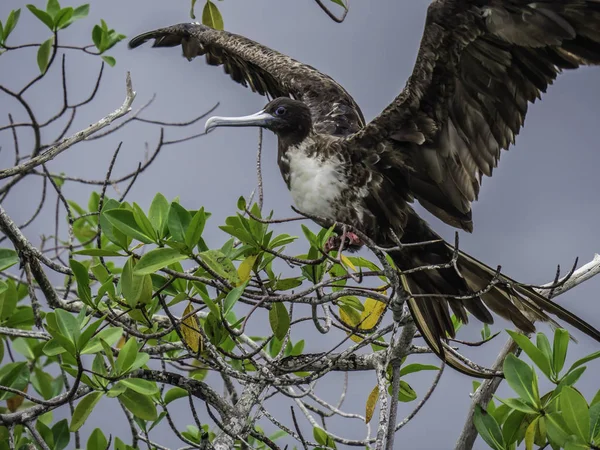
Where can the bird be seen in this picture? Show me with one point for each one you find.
(480, 64)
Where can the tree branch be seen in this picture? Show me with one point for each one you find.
(60, 147)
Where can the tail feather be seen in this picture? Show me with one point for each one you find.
(519, 304)
(534, 305)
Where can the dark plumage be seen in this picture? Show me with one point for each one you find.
(480, 64)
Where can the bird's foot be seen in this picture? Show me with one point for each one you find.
(351, 242)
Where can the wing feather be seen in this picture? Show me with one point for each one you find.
(265, 71)
(480, 64)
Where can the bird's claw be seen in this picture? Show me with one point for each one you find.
(351, 242)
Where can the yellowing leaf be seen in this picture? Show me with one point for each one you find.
(121, 342)
(190, 329)
(371, 314)
(211, 16)
(371, 403)
(13, 403)
(346, 261)
(351, 318)
(245, 268)
(530, 435)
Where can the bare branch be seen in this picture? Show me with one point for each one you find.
(57, 149)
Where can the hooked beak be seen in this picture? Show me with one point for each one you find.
(259, 119)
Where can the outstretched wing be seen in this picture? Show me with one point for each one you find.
(265, 71)
(480, 64)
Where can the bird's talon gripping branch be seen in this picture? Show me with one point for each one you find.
(351, 242)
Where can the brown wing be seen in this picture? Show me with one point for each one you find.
(265, 71)
(480, 64)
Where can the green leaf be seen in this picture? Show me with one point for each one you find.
(211, 16)
(78, 13)
(158, 213)
(596, 398)
(97, 440)
(43, 55)
(174, 394)
(110, 335)
(406, 393)
(83, 281)
(557, 429)
(67, 324)
(595, 422)
(87, 334)
(485, 332)
(323, 438)
(98, 252)
(60, 432)
(561, 343)
(192, 15)
(339, 2)
(232, 297)
(81, 11)
(573, 443)
(140, 360)
(143, 222)
(97, 36)
(8, 302)
(536, 355)
(279, 319)
(83, 410)
(195, 229)
(140, 386)
(585, 359)
(543, 344)
(101, 273)
(127, 356)
(8, 258)
(519, 405)
(575, 411)
(45, 433)
(42, 383)
(220, 264)
(571, 377)
(136, 288)
(124, 221)
(140, 405)
(110, 60)
(415, 367)
(157, 259)
(178, 221)
(53, 348)
(11, 23)
(520, 376)
(42, 15)
(512, 427)
(489, 429)
(63, 18)
(53, 7)
(13, 375)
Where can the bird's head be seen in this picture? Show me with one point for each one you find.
(289, 119)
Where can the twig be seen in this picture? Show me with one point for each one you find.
(57, 149)
(259, 177)
(331, 15)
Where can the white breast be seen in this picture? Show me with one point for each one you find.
(315, 184)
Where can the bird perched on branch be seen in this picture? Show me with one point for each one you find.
(480, 64)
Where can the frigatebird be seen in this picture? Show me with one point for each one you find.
(480, 64)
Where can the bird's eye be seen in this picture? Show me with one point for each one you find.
(280, 111)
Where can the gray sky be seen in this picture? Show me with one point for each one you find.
(540, 209)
